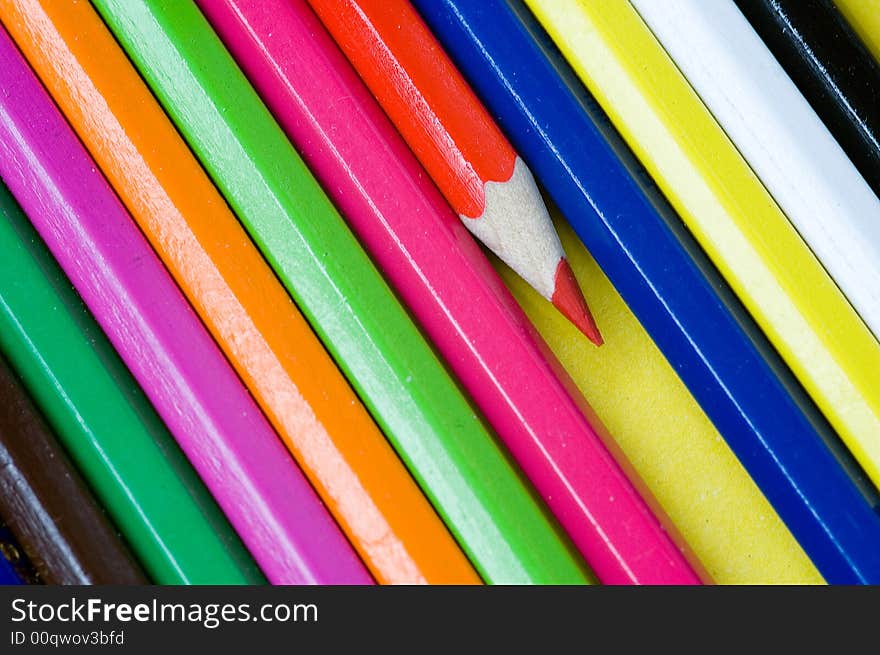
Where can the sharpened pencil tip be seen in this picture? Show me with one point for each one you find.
(569, 299)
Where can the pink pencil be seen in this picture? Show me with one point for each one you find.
(449, 285)
(253, 478)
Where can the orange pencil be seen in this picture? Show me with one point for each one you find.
(329, 432)
(458, 143)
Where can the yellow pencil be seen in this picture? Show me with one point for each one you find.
(676, 451)
(728, 210)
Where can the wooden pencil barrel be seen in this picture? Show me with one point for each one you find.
(46, 504)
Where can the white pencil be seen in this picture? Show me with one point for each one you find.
(780, 136)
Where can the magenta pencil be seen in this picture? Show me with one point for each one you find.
(450, 286)
(220, 429)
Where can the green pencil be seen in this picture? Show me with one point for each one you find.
(106, 424)
(492, 512)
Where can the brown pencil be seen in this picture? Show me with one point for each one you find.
(47, 506)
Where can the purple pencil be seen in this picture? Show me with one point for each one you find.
(211, 415)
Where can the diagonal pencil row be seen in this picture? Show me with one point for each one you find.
(104, 421)
(450, 288)
(639, 242)
(285, 357)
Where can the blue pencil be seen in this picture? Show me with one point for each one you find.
(8, 547)
(640, 243)
(7, 573)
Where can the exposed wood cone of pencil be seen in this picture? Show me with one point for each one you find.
(458, 143)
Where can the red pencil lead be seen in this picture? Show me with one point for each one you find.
(569, 300)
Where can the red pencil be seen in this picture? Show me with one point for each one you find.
(458, 143)
(449, 286)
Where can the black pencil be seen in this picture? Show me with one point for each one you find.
(833, 69)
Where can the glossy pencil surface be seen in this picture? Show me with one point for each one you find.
(831, 67)
(664, 277)
(458, 143)
(105, 423)
(216, 423)
(450, 286)
(63, 531)
(786, 144)
(253, 320)
(725, 206)
(494, 515)
(709, 496)
(284, 209)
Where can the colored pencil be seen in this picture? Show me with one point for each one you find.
(458, 143)
(831, 67)
(47, 506)
(241, 302)
(664, 277)
(801, 164)
(369, 333)
(275, 511)
(105, 423)
(443, 276)
(863, 16)
(721, 513)
(727, 209)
